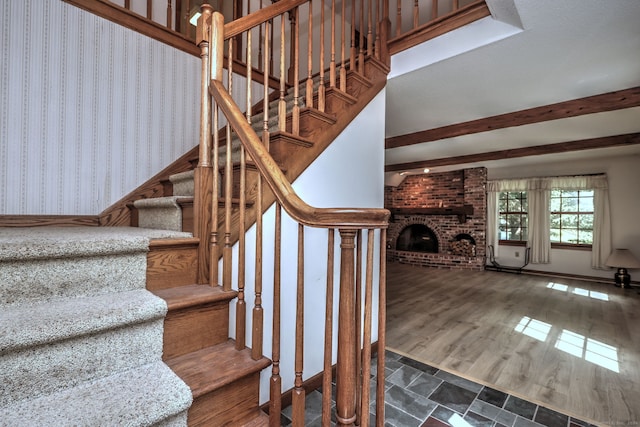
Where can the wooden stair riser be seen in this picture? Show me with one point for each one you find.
(173, 266)
(213, 409)
(194, 328)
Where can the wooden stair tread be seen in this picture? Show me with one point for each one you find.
(173, 243)
(235, 201)
(260, 420)
(214, 367)
(193, 295)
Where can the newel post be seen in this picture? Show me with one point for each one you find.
(203, 186)
(346, 376)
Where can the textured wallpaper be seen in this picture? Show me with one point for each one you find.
(89, 110)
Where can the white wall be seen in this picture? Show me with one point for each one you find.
(624, 196)
(333, 180)
(89, 110)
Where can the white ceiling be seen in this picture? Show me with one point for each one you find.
(545, 51)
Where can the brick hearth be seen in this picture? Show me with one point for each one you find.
(440, 190)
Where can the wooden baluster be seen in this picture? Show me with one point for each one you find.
(127, 4)
(456, 5)
(370, 30)
(361, 51)
(282, 104)
(382, 332)
(260, 61)
(416, 13)
(346, 370)
(366, 350)
(241, 306)
(379, 23)
(275, 402)
(227, 254)
(271, 50)
(308, 102)
(169, 15)
(178, 26)
(358, 320)
(150, 9)
(258, 312)
(217, 58)
(352, 53)
(332, 62)
(265, 87)
(399, 18)
(185, 17)
(434, 9)
(295, 120)
(343, 48)
(328, 333)
(321, 88)
(298, 391)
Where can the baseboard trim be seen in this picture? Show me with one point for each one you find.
(608, 281)
(49, 220)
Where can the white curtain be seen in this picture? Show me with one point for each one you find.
(492, 222)
(539, 225)
(538, 193)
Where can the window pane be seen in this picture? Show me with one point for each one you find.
(514, 205)
(555, 193)
(569, 204)
(555, 221)
(569, 220)
(554, 204)
(586, 204)
(502, 204)
(586, 237)
(585, 222)
(555, 235)
(569, 235)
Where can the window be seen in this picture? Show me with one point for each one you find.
(572, 216)
(512, 215)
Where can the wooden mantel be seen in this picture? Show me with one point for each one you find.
(462, 211)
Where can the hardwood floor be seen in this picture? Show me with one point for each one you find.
(570, 345)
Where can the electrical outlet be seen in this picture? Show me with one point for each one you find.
(517, 254)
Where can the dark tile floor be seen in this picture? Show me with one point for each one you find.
(419, 395)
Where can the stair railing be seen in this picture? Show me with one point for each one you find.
(360, 230)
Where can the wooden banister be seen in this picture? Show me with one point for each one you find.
(265, 14)
(284, 192)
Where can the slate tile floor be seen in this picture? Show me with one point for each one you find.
(419, 395)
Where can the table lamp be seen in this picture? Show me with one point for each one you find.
(622, 259)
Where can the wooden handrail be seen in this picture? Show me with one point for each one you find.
(265, 14)
(282, 189)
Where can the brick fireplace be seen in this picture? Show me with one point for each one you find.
(451, 206)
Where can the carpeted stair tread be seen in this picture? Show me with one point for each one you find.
(72, 317)
(214, 367)
(183, 184)
(162, 213)
(59, 242)
(193, 295)
(145, 396)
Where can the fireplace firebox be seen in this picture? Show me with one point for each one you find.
(417, 238)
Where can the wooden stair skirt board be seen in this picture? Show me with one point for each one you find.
(224, 382)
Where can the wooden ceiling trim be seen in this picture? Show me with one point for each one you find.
(561, 147)
(610, 101)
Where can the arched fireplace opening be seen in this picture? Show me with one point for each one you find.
(417, 238)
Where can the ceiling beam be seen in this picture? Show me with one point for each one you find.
(537, 150)
(617, 100)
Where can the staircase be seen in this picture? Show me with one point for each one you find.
(80, 337)
(97, 317)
